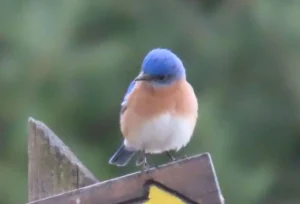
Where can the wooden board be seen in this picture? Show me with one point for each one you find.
(52, 167)
(191, 180)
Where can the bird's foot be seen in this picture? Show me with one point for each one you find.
(185, 156)
(170, 156)
(145, 166)
(142, 161)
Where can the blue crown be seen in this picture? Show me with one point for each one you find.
(163, 62)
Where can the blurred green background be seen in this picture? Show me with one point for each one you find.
(69, 62)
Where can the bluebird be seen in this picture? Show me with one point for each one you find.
(159, 110)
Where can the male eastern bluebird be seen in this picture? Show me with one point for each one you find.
(159, 110)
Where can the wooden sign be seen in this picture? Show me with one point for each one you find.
(189, 181)
(54, 171)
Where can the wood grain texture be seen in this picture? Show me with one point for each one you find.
(193, 178)
(52, 167)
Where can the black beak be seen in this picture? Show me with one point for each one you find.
(144, 77)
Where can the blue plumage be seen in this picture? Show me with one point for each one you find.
(162, 62)
(164, 67)
(129, 89)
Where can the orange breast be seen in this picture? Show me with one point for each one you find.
(146, 102)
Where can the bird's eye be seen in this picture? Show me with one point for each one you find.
(161, 77)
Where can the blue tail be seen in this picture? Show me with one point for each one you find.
(122, 156)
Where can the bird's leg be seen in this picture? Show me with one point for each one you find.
(168, 153)
(145, 163)
(142, 160)
(184, 154)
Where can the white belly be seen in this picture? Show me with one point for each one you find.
(163, 133)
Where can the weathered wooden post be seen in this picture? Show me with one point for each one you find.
(52, 167)
(56, 176)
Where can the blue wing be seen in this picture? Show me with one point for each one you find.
(124, 104)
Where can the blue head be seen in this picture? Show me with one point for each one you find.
(161, 67)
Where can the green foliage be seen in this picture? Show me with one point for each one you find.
(68, 63)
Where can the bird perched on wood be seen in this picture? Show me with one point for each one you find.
(159, 110)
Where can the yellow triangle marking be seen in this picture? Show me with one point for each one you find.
(158, 196)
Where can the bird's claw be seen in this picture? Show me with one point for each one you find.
(145, 166)
(142, 160)
(168, 153)
(170, 156)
